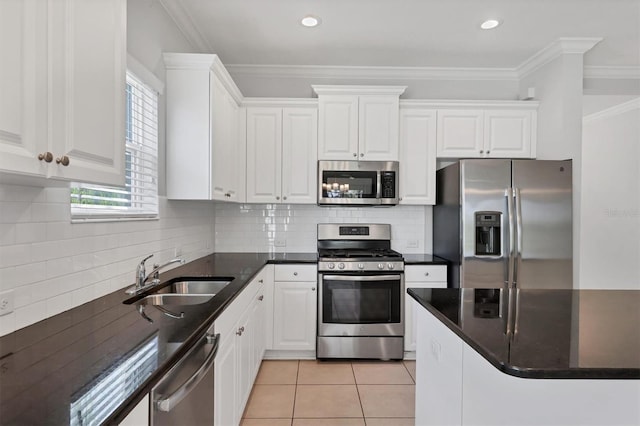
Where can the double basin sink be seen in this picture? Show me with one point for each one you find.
(182, 291)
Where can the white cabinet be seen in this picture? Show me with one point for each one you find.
(241, 328)
(417, 154)
(295, 307)
(139, 416)
(419, 276)
(281, 154)
(358, 122)
(205, 150)
(63, 97)
(502, 131)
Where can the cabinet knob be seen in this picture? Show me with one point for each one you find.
(47, 157)
(355, 155)
(313, 289)
(240, 331)
(64, 160)
(361, 154)
(261, 297)
(295, 273)
(488, 151)
(227, 195)
(481, 152)
(284, 198)
(277, 198)
(260, 281)
(426, 274)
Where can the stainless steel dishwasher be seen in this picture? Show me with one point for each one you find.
(184, 396)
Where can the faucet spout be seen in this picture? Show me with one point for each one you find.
(157, 268)
(142, 277)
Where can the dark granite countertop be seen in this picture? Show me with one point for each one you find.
(423, 259)
(47, 368)
(555, 334)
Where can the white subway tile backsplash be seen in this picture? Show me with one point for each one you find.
(53, 265)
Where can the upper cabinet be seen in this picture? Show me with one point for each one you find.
(63, 97)
(487, 130)
(358, 122)
(281, 151)
(417, 154)
(205, 128)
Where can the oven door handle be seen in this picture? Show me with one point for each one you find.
(361, 277)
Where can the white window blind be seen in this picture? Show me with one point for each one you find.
(139, 197)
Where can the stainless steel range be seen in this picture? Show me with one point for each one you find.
(361, 297)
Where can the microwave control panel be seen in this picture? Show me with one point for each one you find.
(388, 184)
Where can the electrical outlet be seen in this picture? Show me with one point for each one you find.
(6, 302)
(280, 243)
(412, 244)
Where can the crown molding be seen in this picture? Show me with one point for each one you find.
(631, 105)
(280, 102)
(373, 72)
(561, 46)
(357, 90)
(185, 24)
(471, 104)
(612, 72)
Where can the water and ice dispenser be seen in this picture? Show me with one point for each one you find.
(488, 233)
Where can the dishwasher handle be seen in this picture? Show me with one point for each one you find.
(168, 403)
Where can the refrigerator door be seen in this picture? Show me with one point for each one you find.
(485, 223)
(544, 252)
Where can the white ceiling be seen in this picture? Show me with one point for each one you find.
(407, 33)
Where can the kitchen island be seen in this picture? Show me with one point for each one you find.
(527, 357)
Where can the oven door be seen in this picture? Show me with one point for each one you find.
(361, 305)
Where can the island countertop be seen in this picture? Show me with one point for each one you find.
(552, 334)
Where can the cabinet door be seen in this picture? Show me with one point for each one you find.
(225, 143)
(294, 322)
(23, 118)
(245, 339)
(337, 127)
(507, 134)
(378, 128)
(431, 276)
(460, 133)
(264, 148)
(139, 415)
(226, 401)
(87, 87)
(417, 156)
(299, 155)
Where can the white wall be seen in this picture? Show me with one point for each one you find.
(611, 198)
(264, 227)
(52, 265)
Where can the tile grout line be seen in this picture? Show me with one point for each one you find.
(355, 381)
(295, 392)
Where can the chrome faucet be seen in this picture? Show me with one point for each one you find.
(142, 277)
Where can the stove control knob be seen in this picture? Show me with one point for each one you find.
(360, 266)
(341, 265)
(380, 266)
(331, 265)
(390, 266)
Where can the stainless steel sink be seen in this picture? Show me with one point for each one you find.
(211, 287)
(174, 299)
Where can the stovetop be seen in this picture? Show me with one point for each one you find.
(354, 255)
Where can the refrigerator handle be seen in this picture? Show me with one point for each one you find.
(510, 215)
(518, 256)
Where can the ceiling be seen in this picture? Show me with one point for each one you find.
(407, 33)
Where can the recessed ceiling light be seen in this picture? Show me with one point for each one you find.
(490, 24)
(310, 21)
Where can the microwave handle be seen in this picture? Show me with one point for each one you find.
(378, 184)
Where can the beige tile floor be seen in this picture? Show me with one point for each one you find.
(328, 393)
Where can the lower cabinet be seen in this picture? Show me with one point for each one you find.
(295, 307)
(419, 276)
(241, 328)
(139, 415)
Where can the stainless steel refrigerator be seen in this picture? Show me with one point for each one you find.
(505, 223)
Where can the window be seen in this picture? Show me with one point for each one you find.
(139, 197)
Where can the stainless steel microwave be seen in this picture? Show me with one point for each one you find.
(364, 183)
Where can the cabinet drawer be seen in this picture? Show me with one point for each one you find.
(296, 272)
(425, 273)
